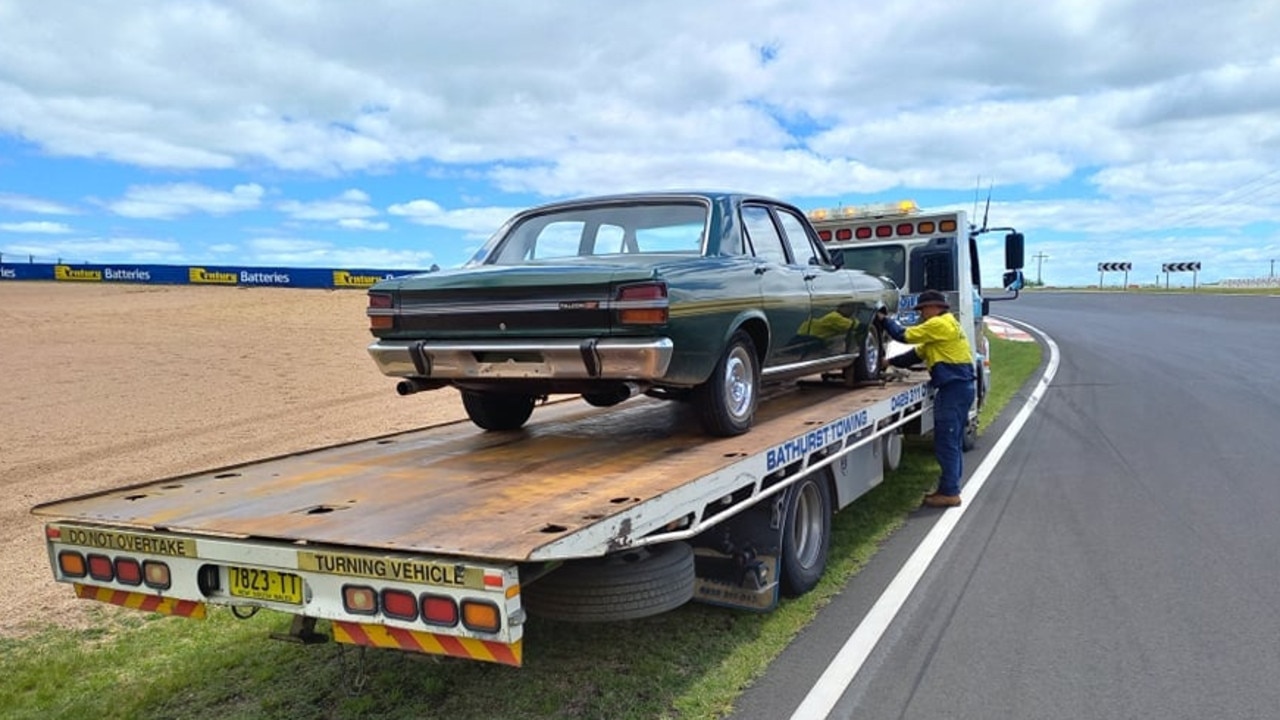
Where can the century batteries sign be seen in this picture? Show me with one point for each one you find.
(225, 275)
(390, 568)
(140, 543)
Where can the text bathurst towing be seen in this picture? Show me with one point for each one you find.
(445, 540)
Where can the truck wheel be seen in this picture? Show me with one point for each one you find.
(867, 365)
(727, 400)
(622, 586)
(806, 535)
(892, 450)
(970, 440)
(497, 411)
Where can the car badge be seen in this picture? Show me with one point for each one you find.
(502, 326)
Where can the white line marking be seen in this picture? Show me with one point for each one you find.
(844, 667)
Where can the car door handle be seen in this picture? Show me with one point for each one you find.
(810, 277)
(762, 269)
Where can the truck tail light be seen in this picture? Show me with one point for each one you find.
(439, 610)
(71, 564)
(480, 616)
(380, 310)
(844, 234)
(156, 575)
(100, 568)
(643, 304)
(359, 600)
(128, 571)
(399, 604)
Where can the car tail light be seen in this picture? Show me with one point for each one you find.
(128, 571)
(643, 304)
(380, 307)
(359, 600)
(156, 575)
(100, 568)
(399, 604)
(480, 616)
(72, 564)
(439, 610)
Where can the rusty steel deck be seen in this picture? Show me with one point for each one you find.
(455, 490)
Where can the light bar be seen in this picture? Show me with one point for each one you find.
(902, 207)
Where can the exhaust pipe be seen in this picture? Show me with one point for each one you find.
(411, 386)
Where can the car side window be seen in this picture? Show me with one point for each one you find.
(798, 240)
(763, 234)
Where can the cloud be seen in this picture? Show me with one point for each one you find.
(482, 220)
(350, 205)
(316, 253)
(37, 206)
(36, 228)
(171, 201)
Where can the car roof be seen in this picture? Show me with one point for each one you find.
(712, 196)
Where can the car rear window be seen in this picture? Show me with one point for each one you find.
(616, 229)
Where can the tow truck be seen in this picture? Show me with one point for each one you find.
(446, 540)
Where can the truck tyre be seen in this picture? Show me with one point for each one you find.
(892, 450)
(866, 367)
(806, 535)
(970, 439)
(497, 411)
(726, 402)
(622, 586)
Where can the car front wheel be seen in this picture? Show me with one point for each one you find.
(866, 366)
(727, 400)
(498, 411)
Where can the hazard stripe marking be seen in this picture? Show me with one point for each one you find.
(141, 601)
(426, 642)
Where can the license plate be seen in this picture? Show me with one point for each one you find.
(270, 585)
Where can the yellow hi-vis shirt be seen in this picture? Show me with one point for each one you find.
(940, 339)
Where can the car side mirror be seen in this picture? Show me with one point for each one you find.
(837, 259)
(1013, 250)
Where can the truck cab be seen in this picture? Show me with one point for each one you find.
(921, 250)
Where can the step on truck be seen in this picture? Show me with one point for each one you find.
(445, 540)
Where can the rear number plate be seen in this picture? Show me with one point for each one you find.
(270, 585)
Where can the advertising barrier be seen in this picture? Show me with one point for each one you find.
(327, 278)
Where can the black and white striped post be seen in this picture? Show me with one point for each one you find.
(1191, 267)
(1106, 267)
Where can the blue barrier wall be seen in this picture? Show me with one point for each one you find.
(200, 275)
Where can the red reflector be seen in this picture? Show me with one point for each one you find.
(128, 571)
(493, 581)
(825, 235)
(399, 604)
(100, 568)
(439, 610)
(905, 229)
(864, 233)
(71, 563)
(359, 599)
(380, 300)
(156, 575)
(926, 227)
(844, 234)
(884, 230)
(52, 532)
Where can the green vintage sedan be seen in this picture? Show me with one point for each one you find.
(696, 296)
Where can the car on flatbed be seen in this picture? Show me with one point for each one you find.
(697, 296)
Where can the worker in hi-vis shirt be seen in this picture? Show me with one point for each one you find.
(940, 343)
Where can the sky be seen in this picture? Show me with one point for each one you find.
(401, 134)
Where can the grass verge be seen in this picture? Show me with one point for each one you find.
(690, 663)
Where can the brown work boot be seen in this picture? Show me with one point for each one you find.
(939, 500)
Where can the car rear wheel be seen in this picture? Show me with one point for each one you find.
(727, 400)
(498, 411)
(866, 366)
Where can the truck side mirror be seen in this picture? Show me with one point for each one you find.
(1013, 243)
(1013, 280)
(986, 307)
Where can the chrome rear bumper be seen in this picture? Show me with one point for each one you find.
(604, 359)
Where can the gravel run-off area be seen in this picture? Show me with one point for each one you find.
(103, 386)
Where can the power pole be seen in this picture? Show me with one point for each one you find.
(1039, 258)
(1273, 268)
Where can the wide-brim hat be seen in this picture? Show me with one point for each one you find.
(933, 297)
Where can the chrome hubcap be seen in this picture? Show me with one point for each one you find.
(739, 384)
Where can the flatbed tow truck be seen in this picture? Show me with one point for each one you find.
(445, 540)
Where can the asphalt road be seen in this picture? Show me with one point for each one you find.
(1123, 559)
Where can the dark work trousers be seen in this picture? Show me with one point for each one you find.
(950, 416)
